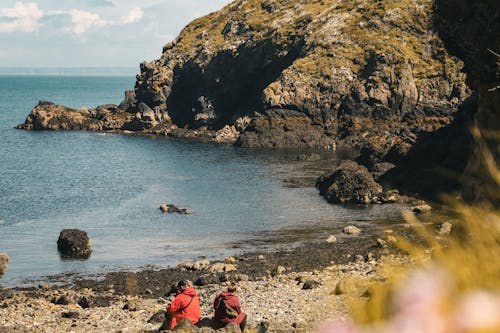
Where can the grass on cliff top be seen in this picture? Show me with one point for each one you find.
(340, 35)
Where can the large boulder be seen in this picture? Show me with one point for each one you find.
(4, 263)
(349, 183)
(74, 243)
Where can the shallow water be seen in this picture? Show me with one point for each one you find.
(112, 185)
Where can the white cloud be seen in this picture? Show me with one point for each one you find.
(83, 21)
(135, 15)
(22, 17)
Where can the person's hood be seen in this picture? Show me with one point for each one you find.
(190, 291)
(227, 295)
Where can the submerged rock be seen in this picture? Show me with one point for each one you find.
(74, 243)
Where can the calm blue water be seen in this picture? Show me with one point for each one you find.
(112, 185)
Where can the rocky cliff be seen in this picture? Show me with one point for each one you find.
(471, 30)
(309, 73)
(464, 155)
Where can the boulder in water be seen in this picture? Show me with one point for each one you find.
(4, 263)
(74, 244)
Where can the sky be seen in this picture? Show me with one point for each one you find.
(92, 33)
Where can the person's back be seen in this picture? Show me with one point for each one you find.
(185, 305)
(228, 309)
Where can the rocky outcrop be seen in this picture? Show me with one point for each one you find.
(74, 244)
(49, 116)
(349, 183)
(454, 158)
(469, 29)
(279, 73)
(4, 263)
(351, 72)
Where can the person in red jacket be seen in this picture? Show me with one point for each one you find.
(228, 309)
(186, 304)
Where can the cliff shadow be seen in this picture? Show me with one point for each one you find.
(229, 85)
(436, 162)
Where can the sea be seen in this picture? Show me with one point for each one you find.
(111, 186)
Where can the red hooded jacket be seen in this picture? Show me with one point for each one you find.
(231, 300)
(185, 305)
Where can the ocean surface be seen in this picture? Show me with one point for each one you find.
(111, 186)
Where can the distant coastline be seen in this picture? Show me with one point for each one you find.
(70, 71)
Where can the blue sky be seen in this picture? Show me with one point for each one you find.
(88, 33)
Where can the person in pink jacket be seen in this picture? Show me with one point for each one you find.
(186, 304)
(228, 309)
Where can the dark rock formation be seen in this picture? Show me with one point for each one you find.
(49, 116)
(290, 74)
(470, 30)
(169, 208)
(4, 263)
(349, 183)
(74, 243)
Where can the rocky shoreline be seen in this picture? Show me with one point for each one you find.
(293, 290)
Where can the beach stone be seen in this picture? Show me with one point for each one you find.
(421, 209)
(445, 228)
(278, 270)
(310, 284)
(74, 243)
(4, 263)
(331, 239)
(200, 264)
(381, 242)
(84, 302)
(351, 230)
(222, 267)
(241, 277)
(205, 281)
(229, 260)
(349, 183)
(70, 314)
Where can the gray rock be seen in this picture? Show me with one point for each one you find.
(74, 243)
(331, 239)
(351, 230)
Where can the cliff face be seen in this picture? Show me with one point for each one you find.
(307, 73)
(283, 73)
(471, 30)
